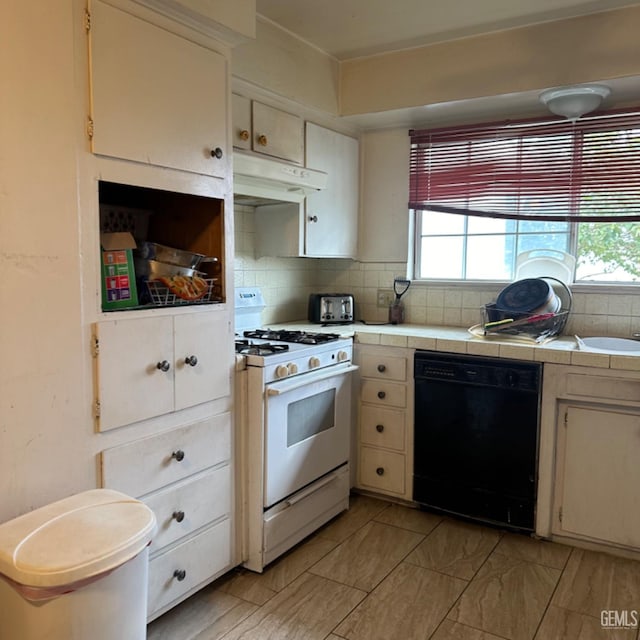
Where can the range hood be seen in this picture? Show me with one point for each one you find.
(258, 180)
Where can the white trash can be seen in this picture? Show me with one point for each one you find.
(77, 569)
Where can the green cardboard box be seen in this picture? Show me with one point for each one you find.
(118, 274)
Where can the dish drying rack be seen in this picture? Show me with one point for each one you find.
(529, 327)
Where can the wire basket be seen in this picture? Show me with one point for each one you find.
(536, 327)
(161, 295)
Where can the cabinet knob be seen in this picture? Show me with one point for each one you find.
(313, 218)
(179, 574)
(178, 455)
(243, 134)
(379, 428)
(217, 153)
(192, 361)
(262, 140)
(382, 368)
(163, 366)
(382, 395)
(380, 471)
(178, 516)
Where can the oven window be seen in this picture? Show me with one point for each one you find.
(311, 415)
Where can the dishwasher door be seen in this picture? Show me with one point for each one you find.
(476, 437)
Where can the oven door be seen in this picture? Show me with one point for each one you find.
(307, 429)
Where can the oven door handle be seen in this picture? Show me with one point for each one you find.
(304, 380)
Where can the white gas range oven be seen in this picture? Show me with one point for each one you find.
(294, 409)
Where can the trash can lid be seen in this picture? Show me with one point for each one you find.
(74, 538)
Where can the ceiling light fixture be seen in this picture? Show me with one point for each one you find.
(573, 102)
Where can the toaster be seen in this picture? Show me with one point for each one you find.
(331, 308)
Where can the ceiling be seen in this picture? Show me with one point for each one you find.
(352, 28)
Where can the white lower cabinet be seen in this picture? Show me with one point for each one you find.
(185, 475)
(599, 474)
(385, 435)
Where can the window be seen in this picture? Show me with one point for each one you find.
(482, 195)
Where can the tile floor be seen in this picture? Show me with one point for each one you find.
(385, 572)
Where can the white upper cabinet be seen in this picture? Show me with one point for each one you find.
(156, 97)
(325, 224)
(267, 130)
(332, 213)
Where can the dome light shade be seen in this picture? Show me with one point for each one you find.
(573, 102)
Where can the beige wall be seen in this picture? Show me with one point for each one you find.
(288, 67)
(595, 47)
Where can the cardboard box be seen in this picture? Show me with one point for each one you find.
(118, 275)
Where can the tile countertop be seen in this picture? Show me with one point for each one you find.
(562, 350)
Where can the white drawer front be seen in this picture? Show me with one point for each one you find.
(139, 467)
(383, 470)
(199, 558)
(187, 506)
(384, 367)
(382, 427)
(384, 393)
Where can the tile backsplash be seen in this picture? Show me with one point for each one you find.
(287, 282)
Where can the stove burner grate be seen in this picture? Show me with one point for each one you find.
(248, 348)
(298, 337)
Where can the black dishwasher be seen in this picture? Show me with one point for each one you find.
(476, 437)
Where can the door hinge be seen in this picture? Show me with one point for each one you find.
(87, 20)
(95, 347)
(566, 419)
(96, 409)
(560, 514)
(90, 127)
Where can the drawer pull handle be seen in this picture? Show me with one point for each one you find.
(380, 471)
(192, 361)
(178, 455)
(379, 428)
(217, 153)
(382, 395)
(163, 366)
(179, 574)
(262, 140)
(178, 516)
(244, 134)
(382, 368)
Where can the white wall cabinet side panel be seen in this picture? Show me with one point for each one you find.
(205, 337)
(185, 507)
(332, 213)
(277, 133)
(142, 466)
(241, 122)
(130, 386)
(601, 475)
(157, 98)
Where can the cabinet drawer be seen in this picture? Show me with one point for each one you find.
(139, 467)
(187, 506)
(384, 393)
(384, 367)
(277, 133)
(382, 427)
(382, 470)
(200, 558)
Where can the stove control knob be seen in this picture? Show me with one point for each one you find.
(282, 371)
(342, 356)
(292, 368)
(314, 362)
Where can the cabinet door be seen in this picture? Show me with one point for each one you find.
(157, 98)
(207, 338)
(241, 122)
(277, 133)
(601, 475)
(131, 381)
(332, 213)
